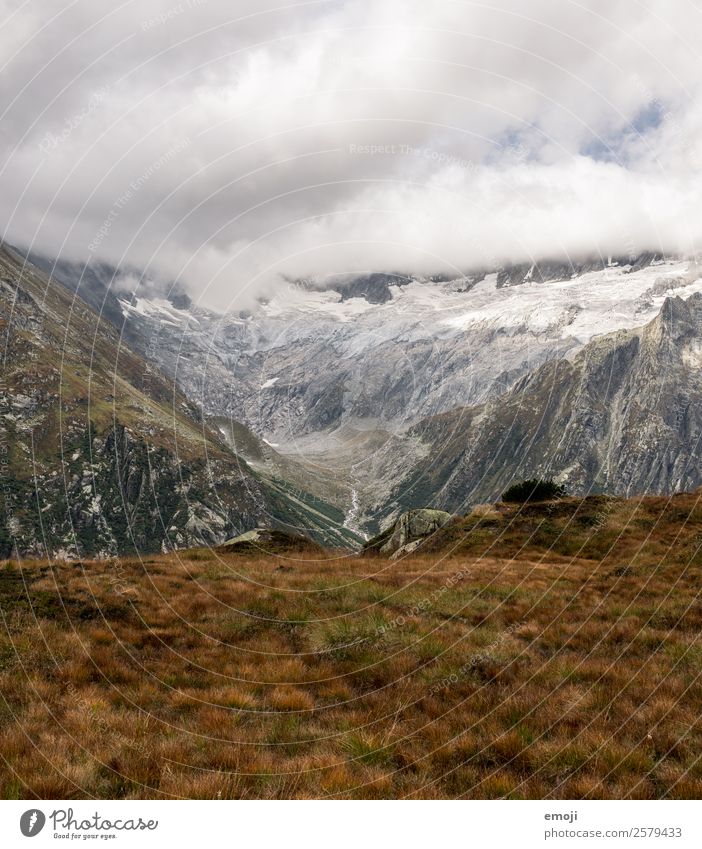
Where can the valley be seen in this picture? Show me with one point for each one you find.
(103, 454)
(340, 408)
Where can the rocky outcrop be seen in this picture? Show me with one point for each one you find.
(374, 288)
(268, 541)
(551, 270)
(408, 532)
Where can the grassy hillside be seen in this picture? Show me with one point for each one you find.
(548, 651)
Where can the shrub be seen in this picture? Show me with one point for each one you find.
(533, 490)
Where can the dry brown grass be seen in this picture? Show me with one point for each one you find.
(531, 671)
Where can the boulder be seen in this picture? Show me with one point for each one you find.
(406, 549)
(411, 527)
(267, 541)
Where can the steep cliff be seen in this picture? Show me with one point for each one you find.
(623, 416)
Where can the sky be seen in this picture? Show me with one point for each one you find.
(236, 146)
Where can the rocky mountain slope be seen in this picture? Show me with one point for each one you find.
(103, 454)
(622, 416)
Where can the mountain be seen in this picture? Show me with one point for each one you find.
(103, 454)
(381, 351)
(622, 416)
(385, 392)
(347, 383)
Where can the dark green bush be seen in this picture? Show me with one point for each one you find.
(533, 490)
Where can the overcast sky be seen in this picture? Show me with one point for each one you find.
(236, 144)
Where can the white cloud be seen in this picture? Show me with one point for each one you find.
(328, 136)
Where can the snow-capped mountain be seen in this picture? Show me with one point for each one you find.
(345, 388)
(313, 361)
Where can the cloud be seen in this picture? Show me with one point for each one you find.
(234, 145)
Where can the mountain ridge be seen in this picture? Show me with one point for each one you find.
(103, 453)
(619, 417)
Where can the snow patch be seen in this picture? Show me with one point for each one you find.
(159, 309)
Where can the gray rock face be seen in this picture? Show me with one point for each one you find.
(624, 416)
(313, 361)
(545, 271)
(375, 288)
(297, 373)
